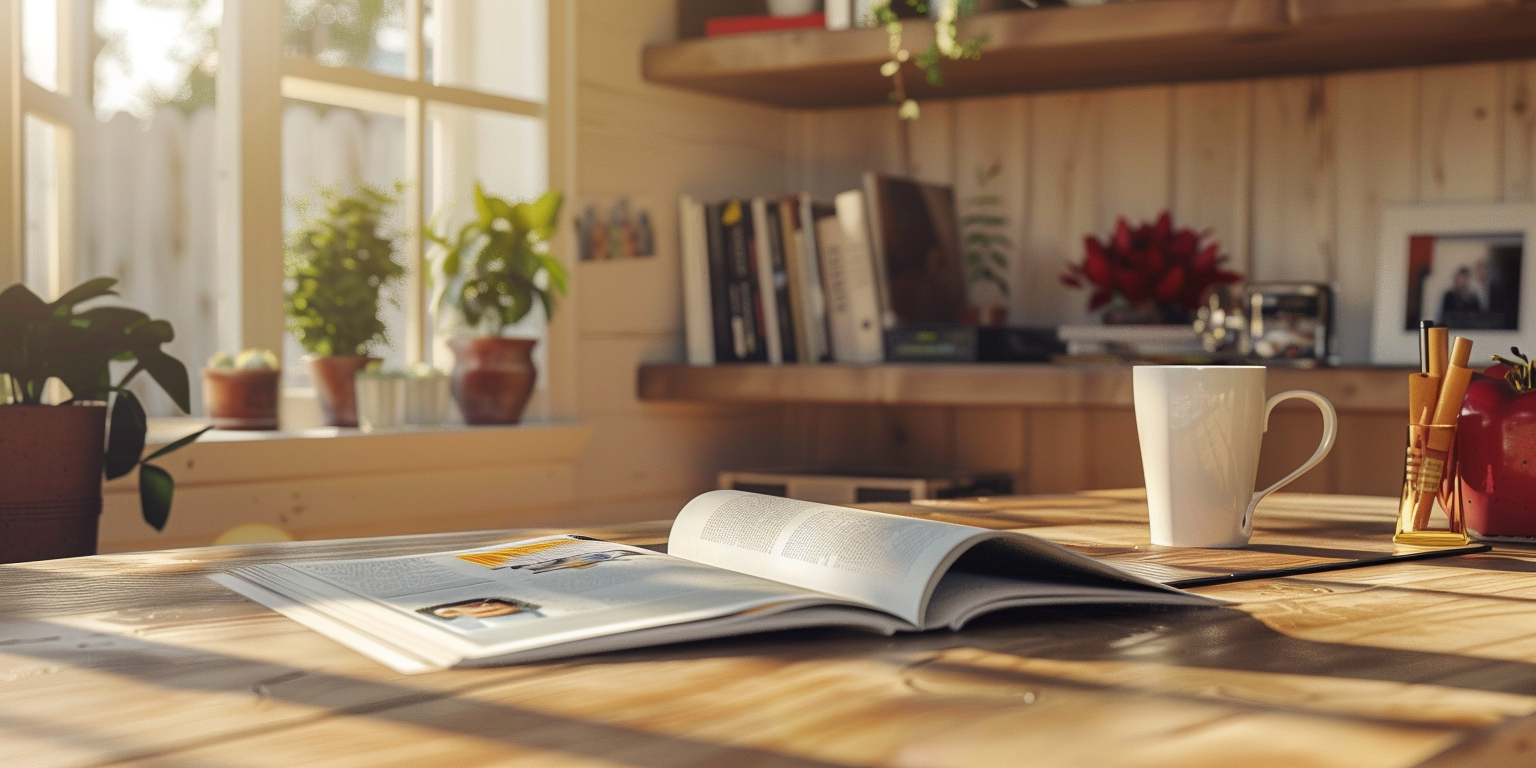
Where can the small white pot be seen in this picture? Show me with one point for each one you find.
(793, 7)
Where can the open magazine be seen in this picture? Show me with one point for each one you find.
(736, 563)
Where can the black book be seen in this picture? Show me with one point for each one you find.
(748, 343)
(719, 282)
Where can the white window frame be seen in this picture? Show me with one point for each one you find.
(253, 79)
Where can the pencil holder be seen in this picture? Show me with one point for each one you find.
(1431, 513)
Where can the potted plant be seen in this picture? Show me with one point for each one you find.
(242, 392)
(1149, 274)
(51, 456)
(337, 266)
(489, 275)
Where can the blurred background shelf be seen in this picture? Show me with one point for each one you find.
(1360, 390)
(1154, 41)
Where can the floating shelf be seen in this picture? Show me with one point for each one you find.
(1022, 385)
(1152, 41)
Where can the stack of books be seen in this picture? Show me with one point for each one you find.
(791, 279)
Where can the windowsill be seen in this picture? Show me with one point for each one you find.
(166, 430)
(223, 457)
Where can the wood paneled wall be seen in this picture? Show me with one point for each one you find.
(1289, 174)
(652, 143)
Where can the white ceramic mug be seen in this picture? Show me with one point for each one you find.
(1201, 428)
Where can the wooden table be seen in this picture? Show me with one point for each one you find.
(137, 659)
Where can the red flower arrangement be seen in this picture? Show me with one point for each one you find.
(1153, 265)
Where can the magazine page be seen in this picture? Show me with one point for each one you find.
(879, 560)
(524, 595)
(906, 566)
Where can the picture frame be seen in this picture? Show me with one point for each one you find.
(1464, 266)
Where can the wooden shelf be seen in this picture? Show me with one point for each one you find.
(1116, 44)
(1035, 386)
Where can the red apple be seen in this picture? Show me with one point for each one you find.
(1496, 447)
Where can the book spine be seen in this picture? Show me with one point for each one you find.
(693, 249)
(815, 294)
(745, 299)
(719, 288)
(783, 307)
(860, 278)
(767, 299)
(874, 216)
(794, 266)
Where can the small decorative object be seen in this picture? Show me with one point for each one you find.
(417, 396)
(945, 45)
(984, 233)
(1496, 440)
(1460, 266)
(242, 392)
(622, 236)
(490, 275)
(1150, 274)
(337, 266)
(51, 456)
(784, 8)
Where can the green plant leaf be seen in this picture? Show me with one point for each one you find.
(156, 487)
(169, 373)
(179, 444)
(112, 320)
(125, 436)
(90, 289)
(18, 302)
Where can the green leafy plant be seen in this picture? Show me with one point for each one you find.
(337, 266)
(986, 246)
(496, 266)
(42, 340)
(945, 45)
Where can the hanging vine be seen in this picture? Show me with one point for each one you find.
(945, 45)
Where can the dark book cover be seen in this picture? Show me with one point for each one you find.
(719, 281)
(779, 293)
(916, 241)
(748, 340)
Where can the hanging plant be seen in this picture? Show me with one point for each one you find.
(945, 45)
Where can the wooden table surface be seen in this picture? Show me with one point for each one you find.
(137, 659)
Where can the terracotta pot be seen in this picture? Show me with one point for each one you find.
(241, 398)
(334, 386)
(50, 480)
(989, 316)
(492, 378)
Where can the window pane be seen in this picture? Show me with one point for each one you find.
(147, 178)
(339, 147)
(506, 154)
(40, 42)
(155, 53)
(40, 141)
(347, 33)
(495, 46)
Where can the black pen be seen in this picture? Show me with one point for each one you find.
(1424, 326)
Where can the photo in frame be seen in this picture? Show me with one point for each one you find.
(1464, 267)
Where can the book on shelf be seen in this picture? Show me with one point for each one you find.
(851, 282)
(746, 340)
(693, 247)
(915, 239)
(741, 25)
(794, 280)
(735, 563)
(773, 281)
(804, 262)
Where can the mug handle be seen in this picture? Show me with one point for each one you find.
(1330, 433)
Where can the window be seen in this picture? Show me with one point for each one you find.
(165, 141)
